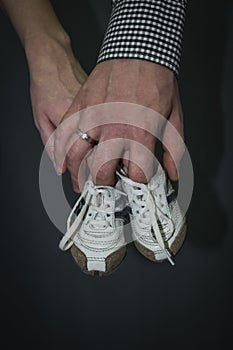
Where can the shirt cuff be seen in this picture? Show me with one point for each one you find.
(145, 29)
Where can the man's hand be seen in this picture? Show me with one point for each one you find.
(123, 80)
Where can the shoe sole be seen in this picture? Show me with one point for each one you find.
(112, 261)
(175, 247)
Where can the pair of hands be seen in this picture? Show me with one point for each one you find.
(60, 88)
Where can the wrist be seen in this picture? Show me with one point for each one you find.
(150, 69)
(45, 52)
(46, 45)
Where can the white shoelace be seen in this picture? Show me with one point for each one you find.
(147, 209)
(94, 196)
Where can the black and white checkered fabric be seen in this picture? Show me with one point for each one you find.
(146, 29)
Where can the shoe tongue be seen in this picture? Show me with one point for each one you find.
(104, 196)
(99, 199)
(159, 179)
(102, 200)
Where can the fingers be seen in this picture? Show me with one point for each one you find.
(70, 150)
(106, 175)
(104, 161)
(141, 162)
(76, 162)
(65, 137)
(173, 143)
(140, 166)
(170, 166)
(46, 129)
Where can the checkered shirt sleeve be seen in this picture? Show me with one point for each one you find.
(151, 30)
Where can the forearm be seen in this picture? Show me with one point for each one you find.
(35, 22)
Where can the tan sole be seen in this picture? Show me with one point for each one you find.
(112, 261)
(175, 247)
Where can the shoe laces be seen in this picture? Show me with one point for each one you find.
(101, 212)
(148, 207)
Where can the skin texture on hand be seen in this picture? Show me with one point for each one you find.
(124, 80)
(55, 78)
(59, 86)
(55, 74)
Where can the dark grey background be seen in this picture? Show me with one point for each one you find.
(47, 302)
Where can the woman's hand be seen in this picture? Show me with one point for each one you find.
(55, 78)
